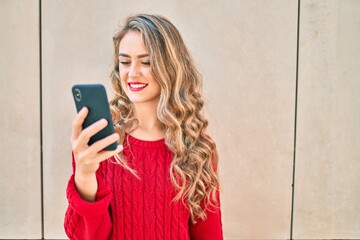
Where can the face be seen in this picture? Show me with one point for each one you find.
(135, 72)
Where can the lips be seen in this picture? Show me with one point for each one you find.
(137, 86)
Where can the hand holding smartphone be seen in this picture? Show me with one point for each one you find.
(93, 96)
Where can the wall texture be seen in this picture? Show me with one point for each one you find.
(20, 185)
(327, 181)
(247, 52)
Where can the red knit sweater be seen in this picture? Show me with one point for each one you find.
(133, 209)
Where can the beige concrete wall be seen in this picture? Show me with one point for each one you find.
(20, 201)
(246, 51)
(249, 72)
(327, 191)
(259, 165)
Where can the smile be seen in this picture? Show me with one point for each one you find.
(137, 86)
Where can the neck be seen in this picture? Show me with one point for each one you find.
(149, 128)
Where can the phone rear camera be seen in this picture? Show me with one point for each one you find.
(77, 94)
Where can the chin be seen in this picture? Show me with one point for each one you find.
(136, 100)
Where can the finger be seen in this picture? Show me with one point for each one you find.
(91, 130)
(103, 143)
(77, 123)
(108, 154)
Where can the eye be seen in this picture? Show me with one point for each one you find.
(124, 62)
(146, 63)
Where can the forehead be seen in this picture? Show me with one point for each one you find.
(132, 43)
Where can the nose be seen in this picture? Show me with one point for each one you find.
(133, 71)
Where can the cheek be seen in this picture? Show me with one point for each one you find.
(122, 72)
(149, 74)
(122, 75)
(122, 79)
(157, 87)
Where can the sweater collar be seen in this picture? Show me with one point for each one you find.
(144, 143)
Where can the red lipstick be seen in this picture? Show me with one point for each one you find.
(137, 86)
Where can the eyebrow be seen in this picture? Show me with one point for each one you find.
(138, 56)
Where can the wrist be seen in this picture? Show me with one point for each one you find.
(86, 185)
(84, 176)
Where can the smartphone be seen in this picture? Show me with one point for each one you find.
(93, 96)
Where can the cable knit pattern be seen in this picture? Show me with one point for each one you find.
(136, 209)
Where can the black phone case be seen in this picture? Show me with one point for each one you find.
(93, 96)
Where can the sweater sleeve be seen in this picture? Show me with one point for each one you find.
(88, 220)
(211, 227)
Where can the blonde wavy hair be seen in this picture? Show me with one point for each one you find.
(193, 170)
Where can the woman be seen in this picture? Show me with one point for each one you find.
(161, 182)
